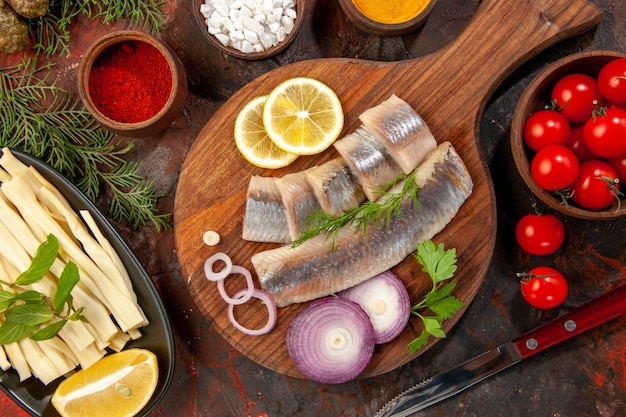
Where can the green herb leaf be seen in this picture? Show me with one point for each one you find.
(67, 281)
(49, 331)
(26, 311)
(41, 263)
(30, 314)
(78, 315)
(419, 342)
(6, 299)
(362, 216)
(66, 136)
(440, 265)
(11, 332)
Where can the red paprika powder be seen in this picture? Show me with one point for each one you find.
(130, 82)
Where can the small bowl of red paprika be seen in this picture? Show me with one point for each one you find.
(555, 135)
(133, 84)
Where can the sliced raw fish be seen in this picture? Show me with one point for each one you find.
(265, 219)
(299, 200)
(314, 269)
(404, 133)
(368, 159)
(335, 187)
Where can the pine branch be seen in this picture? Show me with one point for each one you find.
(51, 124)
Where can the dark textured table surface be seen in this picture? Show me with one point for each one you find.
(582, 377)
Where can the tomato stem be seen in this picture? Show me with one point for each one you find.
(525, 276)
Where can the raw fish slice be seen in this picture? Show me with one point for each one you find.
(313, 270)
(265, 219)
(368, 159)
(334, 186)
(299, 201)
(404, 133)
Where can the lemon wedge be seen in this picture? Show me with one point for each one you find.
(303, 116)
(252, 140)
(118, 385)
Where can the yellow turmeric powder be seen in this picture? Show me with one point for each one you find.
(391, 11)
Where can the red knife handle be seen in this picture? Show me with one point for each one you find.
(585, 317)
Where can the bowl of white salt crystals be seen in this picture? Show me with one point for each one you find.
(250, 29)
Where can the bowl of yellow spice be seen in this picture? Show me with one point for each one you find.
(387, 18)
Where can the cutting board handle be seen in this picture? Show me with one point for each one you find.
(501, 35)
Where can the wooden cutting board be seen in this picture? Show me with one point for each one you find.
(448, 88)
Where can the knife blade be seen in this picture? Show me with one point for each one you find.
(449, 383)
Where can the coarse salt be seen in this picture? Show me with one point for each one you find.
(249, 25)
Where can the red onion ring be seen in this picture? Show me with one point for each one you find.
(331, 340)
(246, 294)
(271, 310)
(223, 273)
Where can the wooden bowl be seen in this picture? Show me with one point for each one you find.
(536, 97)
(367, 24)
(252, 56)
(156, 121)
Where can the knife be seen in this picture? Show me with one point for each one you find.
(447, 384)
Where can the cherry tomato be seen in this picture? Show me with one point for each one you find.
(612, 81)
(544, 287)
(540, 234)
(546, 127)
(619, 165)
(554, 167)
(575, 95)
(577, 144)
(605, 133)
(595, 187)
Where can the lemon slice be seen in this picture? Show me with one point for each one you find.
(118, 385)
(303, 116)
(252, 140)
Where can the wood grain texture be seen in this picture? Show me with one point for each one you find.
(448, 88)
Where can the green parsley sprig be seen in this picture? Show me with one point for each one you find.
(440, 265)
(370, 212)
(28, 313)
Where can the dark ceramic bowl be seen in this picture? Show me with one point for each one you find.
(365, 23)
(252, 56)
(536, 97)
(32, 395)
(158, 121)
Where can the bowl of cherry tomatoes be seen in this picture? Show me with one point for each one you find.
(568, 135)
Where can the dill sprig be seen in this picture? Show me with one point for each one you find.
(48, 122)
(361, 217)
(51, 32)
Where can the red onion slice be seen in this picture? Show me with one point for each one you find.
(386, 301)
(242, 296)
(221, 274)
(331, 340)
(271, 310)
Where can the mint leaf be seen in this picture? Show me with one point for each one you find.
(41, 263)
(49, 331)
(30, 314)
(78, 315)
(67, 281)
(14, 332)
(6, 300)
